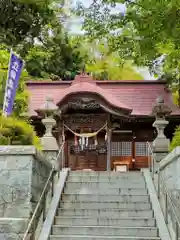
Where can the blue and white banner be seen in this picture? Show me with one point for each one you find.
(14, 73)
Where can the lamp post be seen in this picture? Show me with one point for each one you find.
(48, 141)
(161, 143)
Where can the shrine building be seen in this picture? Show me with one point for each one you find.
(103, 122)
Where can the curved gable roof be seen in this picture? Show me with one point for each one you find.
(84, 84)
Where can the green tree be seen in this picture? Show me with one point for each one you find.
(147, 30)
(65, 56)
(106, 65)
(176, 139)
(20, 20)
(58, 55)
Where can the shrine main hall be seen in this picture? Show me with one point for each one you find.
(103, 122)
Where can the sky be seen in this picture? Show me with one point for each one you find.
(75, 25)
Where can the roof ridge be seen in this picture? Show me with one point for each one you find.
(97, 82)
(83, 77)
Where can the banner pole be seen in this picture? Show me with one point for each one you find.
(14, 73)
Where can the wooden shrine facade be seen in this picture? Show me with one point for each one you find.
(98, 128)
(120, 137)
(125, 140)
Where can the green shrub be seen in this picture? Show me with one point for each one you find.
(17, 132)
(176, 139)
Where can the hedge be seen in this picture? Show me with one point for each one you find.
(17, 132)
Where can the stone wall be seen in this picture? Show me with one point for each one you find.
(23, 175)
(40, 174)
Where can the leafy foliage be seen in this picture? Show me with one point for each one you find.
(65, 56)
(55, 54)
(17, 132)
(176, 139)
(58, 55)
(147, 30)
(22, 19)
(107, 65)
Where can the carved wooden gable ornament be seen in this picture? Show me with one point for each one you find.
(83, 104)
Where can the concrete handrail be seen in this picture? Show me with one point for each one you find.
(47, 226)
(171, 157)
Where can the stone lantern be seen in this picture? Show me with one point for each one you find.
(47, 111)
(161, 143)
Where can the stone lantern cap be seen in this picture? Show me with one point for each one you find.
(48, 109)
(160, 109)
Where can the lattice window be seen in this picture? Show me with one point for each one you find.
(115, 149)
(142, 148)
(126, 148)
(121, 149)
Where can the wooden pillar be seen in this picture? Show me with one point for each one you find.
(61, 139)
(133, 151)
(66, 155)
(109, 134)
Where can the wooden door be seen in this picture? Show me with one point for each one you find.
(82, 161)
(92, 158)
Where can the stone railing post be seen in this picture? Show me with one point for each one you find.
(161, 143)
(49, 142)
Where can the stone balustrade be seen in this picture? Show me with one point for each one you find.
(170, 172)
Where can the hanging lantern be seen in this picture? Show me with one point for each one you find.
(75, 140)
(87, 141)
(95, 141)
(106, 137)
(81, 142)
(106, 134)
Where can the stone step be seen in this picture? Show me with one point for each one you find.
(105, 205)
(97, 237)
(112, 178)
(109, 198)
(104, 173)
(116, 213)
(123, 222)
(109, 191)
(105, 231)
(120, 184)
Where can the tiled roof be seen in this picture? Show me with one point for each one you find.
(85, 85)
(138, 96)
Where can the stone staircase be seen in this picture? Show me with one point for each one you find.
(105, 205)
